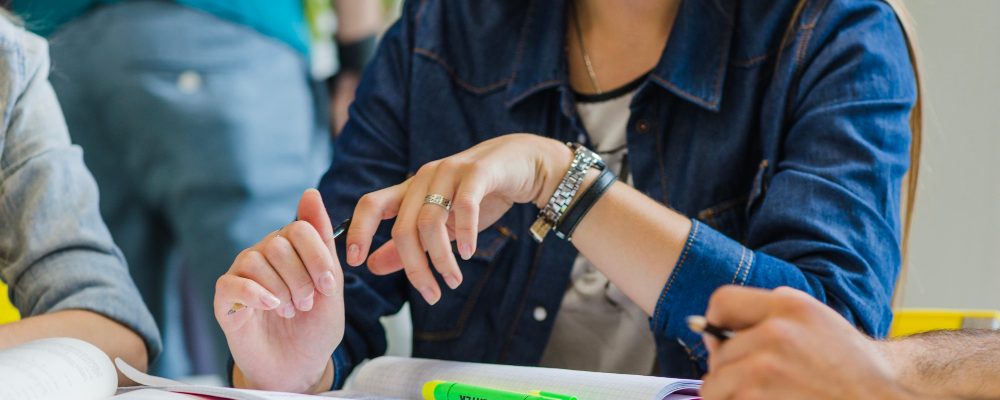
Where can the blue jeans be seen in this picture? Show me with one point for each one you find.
(201, 134)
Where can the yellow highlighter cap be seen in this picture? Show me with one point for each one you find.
(428, 389)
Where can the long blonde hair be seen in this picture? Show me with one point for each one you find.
(916, 129)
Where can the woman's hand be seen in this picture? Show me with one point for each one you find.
(482, 183)
(291, 285)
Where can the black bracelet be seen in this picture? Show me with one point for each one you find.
(564, 229)
(353, 56)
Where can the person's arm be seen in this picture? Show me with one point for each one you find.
(115, 339)
(828, 223)
(358, 24)
(65, 274)
(357, 19)
(964, 364)
(788, 345)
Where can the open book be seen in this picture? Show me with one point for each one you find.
(398, 377)
(65, 368)
(73, 369)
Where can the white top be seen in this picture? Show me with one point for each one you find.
(598, 328)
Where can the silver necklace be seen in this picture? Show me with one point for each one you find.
(583, 50)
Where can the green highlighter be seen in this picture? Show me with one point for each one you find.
(442, 390)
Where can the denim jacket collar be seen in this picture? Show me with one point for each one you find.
(693, 65)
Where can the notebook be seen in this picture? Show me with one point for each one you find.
(64, 368)
(398, 377)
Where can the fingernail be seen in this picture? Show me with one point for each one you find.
(465, 250)
(269, 301)
(327, 285)
(287, 310)
(429, 296)
(353, 254)
(307, 303)
(451, 280)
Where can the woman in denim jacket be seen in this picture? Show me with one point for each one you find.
(757, 143)
(64, 273)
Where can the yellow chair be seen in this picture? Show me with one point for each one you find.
(7, 311)
(916, 320)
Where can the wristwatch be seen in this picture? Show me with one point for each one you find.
(583, 159)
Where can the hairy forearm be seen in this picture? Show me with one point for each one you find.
(113, 338)
(948, 364)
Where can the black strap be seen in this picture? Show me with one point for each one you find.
(564, 229)
(353, 56)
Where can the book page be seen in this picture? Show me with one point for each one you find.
(154, 394)
(404, 377)
(151, 382)
(56, 369)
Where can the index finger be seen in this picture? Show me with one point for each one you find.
(312, 210)
(323, 266)
(371, 210)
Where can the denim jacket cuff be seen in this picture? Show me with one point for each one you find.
(709, 260)
(341, 367)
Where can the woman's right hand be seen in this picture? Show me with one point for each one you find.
(291, 285)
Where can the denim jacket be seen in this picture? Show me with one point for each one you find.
(786, 147)
(55, 251)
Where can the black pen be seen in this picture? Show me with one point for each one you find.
(343, 227)
(701, 325)
(337, 232)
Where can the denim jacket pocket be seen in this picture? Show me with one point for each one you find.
(731, 216)
(727, 217)
(447, 319)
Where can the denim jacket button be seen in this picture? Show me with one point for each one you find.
(540, 314)
(642, 126)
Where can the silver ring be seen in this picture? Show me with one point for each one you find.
(438, 200)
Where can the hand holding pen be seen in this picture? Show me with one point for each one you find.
(281, 304)
(786, 344)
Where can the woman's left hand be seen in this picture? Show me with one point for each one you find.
(482, 183)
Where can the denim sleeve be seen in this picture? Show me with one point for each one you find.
(829, 221)
(55, 251)
(370, 154)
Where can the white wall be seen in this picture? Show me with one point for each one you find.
(955, 252)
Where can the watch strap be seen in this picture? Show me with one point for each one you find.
(564, 229)
(355, 55)
(583, 159)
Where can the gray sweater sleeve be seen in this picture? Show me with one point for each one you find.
(55, 251)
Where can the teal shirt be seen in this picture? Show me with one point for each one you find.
(281, 19)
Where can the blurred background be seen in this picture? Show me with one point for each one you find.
(955, 252)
